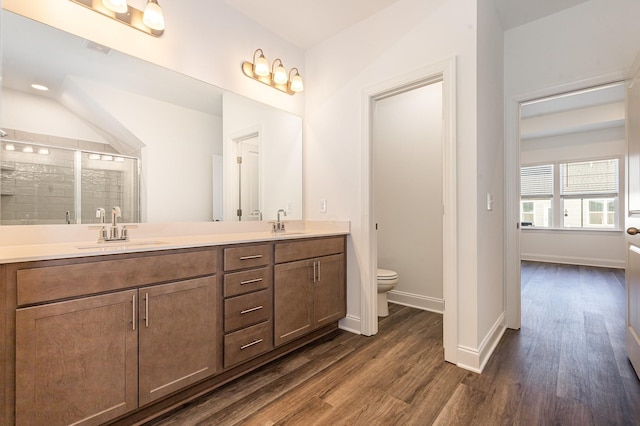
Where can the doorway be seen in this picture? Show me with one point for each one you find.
(407, 169)
(558, 132)
(443, 72)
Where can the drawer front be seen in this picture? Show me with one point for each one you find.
(50, 283)
(246, 310)
(237, 283)
(247, 257)
(247, 343)
(306, 249)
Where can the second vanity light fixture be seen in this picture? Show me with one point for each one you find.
(150, 21)
(275, 75)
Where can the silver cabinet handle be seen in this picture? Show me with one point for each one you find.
(256, 280)
(146, 309)
(314, 271)
(133, 313)
(248, 345)
(255, 256)
(318, 271)
(246, 311)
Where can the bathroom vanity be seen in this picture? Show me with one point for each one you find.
(125, 335)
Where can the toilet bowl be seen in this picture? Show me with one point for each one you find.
(387, 281)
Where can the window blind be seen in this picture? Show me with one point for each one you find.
(536, 181)
(589, 177)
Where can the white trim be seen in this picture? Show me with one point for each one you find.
(475, 360)
(512, 185)
(444, 71)
(350, 323)
(418, 301)
(571, 260)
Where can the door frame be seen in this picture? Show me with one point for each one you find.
(444, 71)
(512, 286)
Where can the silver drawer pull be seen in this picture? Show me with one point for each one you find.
(256, 280)
(246, 311)
(248, 345)
(255, 256)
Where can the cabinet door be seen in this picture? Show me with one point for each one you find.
(177, 324)
(293, 300)
(76, 361)
(329, 298)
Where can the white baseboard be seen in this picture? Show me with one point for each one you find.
(416, 301)
(570, 260)
(475, 359)
(351, 324)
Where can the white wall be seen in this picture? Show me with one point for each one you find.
(487, 297)
(407, 150)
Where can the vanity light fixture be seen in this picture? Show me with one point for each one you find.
(275, 76)
(27, 149)
(94, 156)
(10, 147)
(150, 21)
(43, 151)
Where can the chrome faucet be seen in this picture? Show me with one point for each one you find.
(114, 234)
(279, 225)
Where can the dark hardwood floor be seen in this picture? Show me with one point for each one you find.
(566, 366)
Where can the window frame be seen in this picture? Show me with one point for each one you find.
(557, 198)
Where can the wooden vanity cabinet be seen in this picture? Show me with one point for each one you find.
(248, 302)
(94, 358)
(309, 286)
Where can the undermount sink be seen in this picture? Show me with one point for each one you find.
(120, 245)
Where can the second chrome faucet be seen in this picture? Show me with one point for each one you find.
(279, 225)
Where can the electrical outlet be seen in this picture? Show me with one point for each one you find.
(323, 206)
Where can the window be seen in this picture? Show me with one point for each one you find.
(589, 193)
(536, 192)
(583, 194)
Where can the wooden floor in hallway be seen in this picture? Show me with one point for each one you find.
(566, 366)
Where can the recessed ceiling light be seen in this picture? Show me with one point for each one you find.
(39, 87)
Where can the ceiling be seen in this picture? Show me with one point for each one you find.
(316, 21)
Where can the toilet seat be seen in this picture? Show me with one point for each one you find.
(386, 275)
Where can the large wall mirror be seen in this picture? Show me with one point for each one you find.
(115, 130)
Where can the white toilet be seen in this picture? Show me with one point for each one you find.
(387, 281)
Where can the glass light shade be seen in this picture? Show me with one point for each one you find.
(280, 75)
(94, 156)
(10, 147)
(153, 17)
(118, 6)
(296, 83)
(27, 149)
(261, 67)
(43, 151)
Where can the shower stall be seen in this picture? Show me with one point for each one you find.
(43, 184)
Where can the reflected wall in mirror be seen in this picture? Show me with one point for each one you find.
(185, 132)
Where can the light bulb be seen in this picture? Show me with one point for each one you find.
(261, 67)
(118, 6)
(296, 83)
(153, 17)
(280, 75)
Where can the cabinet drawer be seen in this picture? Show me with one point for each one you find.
(306, 249)
(245, 310)
(247, 343)
(238, 283)
(50, 283)
(247, 257)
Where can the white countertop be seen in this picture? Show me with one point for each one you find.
(153, 237)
